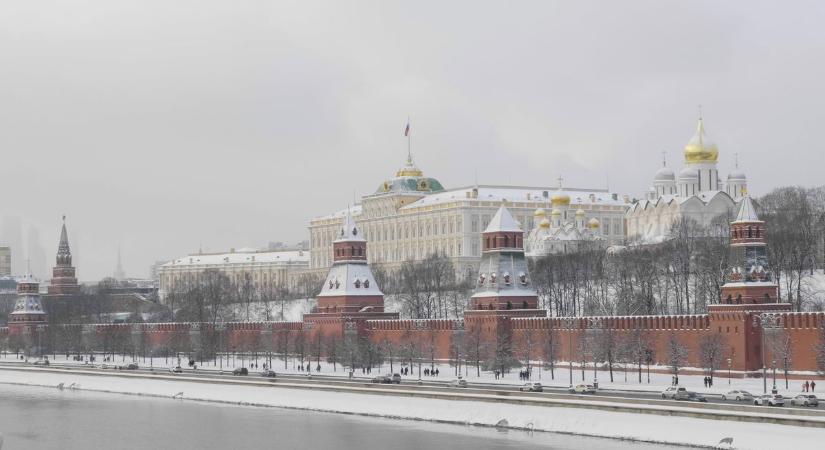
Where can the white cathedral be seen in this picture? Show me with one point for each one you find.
(567, 230)
(698, 193)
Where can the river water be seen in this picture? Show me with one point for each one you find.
(35, 418)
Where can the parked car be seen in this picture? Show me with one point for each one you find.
(396, 378)
(531, 387)
(769, 400)
(691, 397)
(268, 373)
(805, 400)
(176, 369)
(240, 371)
(583, 389)
(382, 379)
(41, 362)
(131, 366)
(739, 396)
(458, 383)
(674, 392)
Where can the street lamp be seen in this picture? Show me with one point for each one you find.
(773, 389)
(595, 325)
(220, 327)
(768, 321)
(568, 323)
(730, 361)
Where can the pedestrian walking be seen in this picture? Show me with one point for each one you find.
(813, 386)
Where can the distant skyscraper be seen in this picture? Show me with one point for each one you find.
(5, 261)
(13, 237)
(36, 253)
(119, 274)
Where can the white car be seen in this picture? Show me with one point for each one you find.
(674, 392)
(769, 400)
(531, 387)
(584, 389)
(739, 396)
(805, 400)
(458, 383)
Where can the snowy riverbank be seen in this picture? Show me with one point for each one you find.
(649, 428)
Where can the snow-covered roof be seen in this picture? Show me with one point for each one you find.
(747, 213)
(349, 232)
(494, 193)
(241, 257)
(705, 197)
(341, 280)
(355, 211)
(503, 221)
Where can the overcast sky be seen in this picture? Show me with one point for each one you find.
(163, 126)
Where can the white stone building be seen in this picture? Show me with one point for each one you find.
(698, 193)
(265, 269)
(411, 216)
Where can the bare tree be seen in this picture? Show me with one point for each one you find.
(677, 354)
(711, 348)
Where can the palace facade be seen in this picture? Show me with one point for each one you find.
(411, 216)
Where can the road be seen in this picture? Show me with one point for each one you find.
(551, 392)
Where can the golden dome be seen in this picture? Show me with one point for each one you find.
(579, 213)
(539, 213)
(593, 223)
(560, 198)
(555, 212)
(409, 170)
(700, 148)
(544, 223)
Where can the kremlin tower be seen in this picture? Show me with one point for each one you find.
(64, 281)
(350, 291)
(503, 283)
(749, 280)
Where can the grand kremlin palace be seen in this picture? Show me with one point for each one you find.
(411, 216)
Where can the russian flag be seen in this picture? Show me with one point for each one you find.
(407, 130)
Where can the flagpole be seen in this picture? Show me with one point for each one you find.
(409, 136)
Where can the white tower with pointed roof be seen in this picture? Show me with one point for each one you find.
(350, 286)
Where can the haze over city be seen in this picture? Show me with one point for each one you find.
(164, 127)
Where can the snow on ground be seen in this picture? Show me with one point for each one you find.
(651, 428)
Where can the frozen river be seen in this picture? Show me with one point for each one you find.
(43, 418)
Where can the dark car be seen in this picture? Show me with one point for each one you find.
(268, 373)
(132, 366)
(382, 379)
(240, 371)
(396, 378)
(692, 397)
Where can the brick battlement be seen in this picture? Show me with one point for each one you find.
(414, 324)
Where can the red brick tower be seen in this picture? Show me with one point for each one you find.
(503, 282)
(749, 280)
(350, 293)
(63, 280)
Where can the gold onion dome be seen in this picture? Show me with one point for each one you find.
(700, 148)
(539, 212)
(593, 223)
(555, 212)
(560, 198)
(544, 223)
(579, 212)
